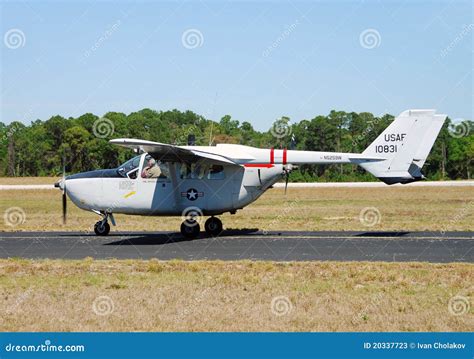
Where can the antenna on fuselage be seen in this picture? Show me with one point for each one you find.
(293, 142)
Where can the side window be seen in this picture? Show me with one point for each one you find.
(216, 172)
(192, 171)
(154, 169)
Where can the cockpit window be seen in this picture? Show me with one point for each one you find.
(128, 167)
(154, 169)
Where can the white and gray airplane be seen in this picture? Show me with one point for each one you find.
(196, 181)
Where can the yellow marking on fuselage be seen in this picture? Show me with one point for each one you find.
(129, 194)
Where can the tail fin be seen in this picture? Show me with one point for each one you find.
(405, 144)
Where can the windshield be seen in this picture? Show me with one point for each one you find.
(128, 166)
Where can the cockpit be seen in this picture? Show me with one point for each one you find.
(154, 169)
(157, 169)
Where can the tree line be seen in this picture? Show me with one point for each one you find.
(43, 148)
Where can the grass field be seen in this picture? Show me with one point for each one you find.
(400, 208)
(28, 180)
(114, 295)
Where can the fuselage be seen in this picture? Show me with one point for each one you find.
(236, 176)
(212, 189)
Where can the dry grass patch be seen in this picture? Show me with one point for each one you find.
(114, 295)
(401, 208)
(28, 180)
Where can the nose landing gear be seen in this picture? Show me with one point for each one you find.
(102, 227)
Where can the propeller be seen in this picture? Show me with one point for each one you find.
(62, 185)
(288, 168)
(287, 177)
(286, 172)
(64, 195)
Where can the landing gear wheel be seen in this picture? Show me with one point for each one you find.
(213, 226)
(102, 228)
(190, 228)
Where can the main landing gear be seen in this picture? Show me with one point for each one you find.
(102, 227)
(190, 227)
(213, 226)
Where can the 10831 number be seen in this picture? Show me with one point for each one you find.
(386, 148)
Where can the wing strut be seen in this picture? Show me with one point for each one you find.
(174, 181)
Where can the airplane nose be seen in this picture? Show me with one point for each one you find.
(86, 193)
(60, 184)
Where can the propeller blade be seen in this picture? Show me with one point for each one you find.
(64, 204)
(286, 180)
(64, 193)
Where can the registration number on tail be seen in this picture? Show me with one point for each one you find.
(386, 148)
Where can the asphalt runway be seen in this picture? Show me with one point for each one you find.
(246, 244)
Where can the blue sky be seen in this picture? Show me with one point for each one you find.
(256, 61)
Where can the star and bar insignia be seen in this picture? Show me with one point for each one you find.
(192, 194)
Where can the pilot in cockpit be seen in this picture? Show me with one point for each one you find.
(152, 170)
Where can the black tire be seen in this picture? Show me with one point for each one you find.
(102, 229)
(190, 229)
(213, 226)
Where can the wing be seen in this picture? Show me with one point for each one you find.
(165, 152)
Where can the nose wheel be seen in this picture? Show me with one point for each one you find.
(102, 228)
(213, 226)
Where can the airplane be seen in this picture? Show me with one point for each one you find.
(196, 181)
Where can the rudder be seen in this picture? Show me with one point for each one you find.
(405, 144)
